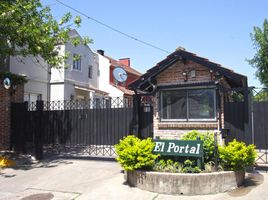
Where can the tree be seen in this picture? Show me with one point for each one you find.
(28, 28)
(260, 59)
(261, 95)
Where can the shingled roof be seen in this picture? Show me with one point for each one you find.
(234, 79)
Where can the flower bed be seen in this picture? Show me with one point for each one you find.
(172, 174)
(185, 184)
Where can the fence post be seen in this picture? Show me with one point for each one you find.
(18, 135)
(200, 160)
(216, 153)
(38, 134)
(135, 121)
(250, 114)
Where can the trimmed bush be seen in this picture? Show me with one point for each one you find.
(134, 153)
(208, 144)
(237, 156)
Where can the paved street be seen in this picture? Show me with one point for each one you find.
(85, 179)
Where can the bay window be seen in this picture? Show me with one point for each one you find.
(188, 105)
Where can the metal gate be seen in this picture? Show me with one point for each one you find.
(78, 128)
(246, 117)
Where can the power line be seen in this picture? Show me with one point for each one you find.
(38, 62)
(114, 29)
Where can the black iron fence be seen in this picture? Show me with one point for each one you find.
(92, 127)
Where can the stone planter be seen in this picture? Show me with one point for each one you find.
(185, 184)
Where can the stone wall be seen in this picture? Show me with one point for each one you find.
(6, 97)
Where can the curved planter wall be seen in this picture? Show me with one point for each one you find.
(188, 184)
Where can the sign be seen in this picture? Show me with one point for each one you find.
(190, 148)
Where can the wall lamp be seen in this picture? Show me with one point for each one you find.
(185, 76)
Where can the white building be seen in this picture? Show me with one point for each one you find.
(108, 82)
(104, 77)
(37, 73)
(84, 75)
(78, 78)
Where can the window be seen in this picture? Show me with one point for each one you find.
(98, 103)
(32, 97)
(90, 71)
(76, 62)
(188, 105)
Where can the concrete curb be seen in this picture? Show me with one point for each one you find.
(185, 184)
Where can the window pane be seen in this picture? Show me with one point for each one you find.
(201, 104)
(76, 62)
(174, 104)
(90, 72)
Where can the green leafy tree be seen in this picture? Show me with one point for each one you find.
(261, 96)
(28, 28)
(260, 59)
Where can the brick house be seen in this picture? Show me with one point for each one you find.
(186, 93)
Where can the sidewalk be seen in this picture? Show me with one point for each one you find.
(62, 179)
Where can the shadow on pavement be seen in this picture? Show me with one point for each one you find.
(252, 180)
(28, 162)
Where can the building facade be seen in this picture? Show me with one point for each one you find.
(36, 71)
(78, 77)
(187, 93)
(107, 81)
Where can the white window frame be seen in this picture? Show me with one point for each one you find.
(77, 64)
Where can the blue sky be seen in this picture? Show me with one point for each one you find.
(217, 30)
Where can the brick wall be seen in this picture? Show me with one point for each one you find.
(5, 101)
(174, 75)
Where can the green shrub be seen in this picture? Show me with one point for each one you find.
(167, 166)
(208, 144)
(134, 153)
(237, 156)
(189, 167)
(176, 167)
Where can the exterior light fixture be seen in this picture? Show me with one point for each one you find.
(185, 76)
(211, 74)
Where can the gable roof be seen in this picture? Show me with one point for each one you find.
(234, 79)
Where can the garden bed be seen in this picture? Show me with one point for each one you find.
(185, 184)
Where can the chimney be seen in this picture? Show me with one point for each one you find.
(180, 48)
(101, 52)
(125, 61)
